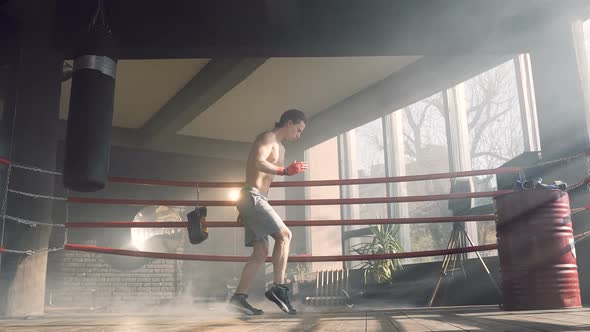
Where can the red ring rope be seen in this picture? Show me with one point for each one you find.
(5, 161)
(293, 259)
(313, 183)
(2, 250)
(212, 224)
(371, 200)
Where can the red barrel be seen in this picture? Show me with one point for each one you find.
(536, 250)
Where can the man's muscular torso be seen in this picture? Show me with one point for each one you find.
(254, 177)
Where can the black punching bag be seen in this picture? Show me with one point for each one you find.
(91, 111)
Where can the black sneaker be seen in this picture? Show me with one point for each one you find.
(238, 303)
(280, 295)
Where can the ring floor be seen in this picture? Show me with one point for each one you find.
(442, 319)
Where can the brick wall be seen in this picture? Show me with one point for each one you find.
(81, 279)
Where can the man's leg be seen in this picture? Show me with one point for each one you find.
(259, 254)
(238, 301)
(280, 254)
(279, 293)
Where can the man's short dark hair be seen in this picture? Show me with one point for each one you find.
(294, 115)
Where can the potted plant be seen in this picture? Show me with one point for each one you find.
(385, 241)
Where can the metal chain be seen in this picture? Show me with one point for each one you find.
(3, 209)
(5, 199)
(15, 107)
(577, 210)
(24, 252)
(581, 236)
(48, 250)
(31, 222)
(564, 160)
(36, 169)
(584, 235)
(577, 185)
(36, 195)
(33, 252)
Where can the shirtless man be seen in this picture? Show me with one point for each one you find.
(259, 219)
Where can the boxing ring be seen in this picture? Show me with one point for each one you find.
(71, 199)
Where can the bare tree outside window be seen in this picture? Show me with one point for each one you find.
(494, 121)
(426, 151)
(495, 128)
(370, 163)
(495, 132)
(424, 128)
(370, 151)
(381, 239)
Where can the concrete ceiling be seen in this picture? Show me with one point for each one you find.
(225, 70)
(251, 104)
(142, 88)
(251, 61)
(309, 84)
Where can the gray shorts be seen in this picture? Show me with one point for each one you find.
(259, 219)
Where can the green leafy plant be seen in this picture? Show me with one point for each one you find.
(385, 241)
(298, 270)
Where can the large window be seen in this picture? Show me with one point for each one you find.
(426, 151)
(481, 129)
(363, 158)
(325, 240)
(494, 120)
(495, 129)
(425, 137)
(369, 162)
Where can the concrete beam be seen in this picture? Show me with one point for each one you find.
(185, 145)
(212, 148)
(217, 78)
(417, 81)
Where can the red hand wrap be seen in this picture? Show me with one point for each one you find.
(294, 168)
